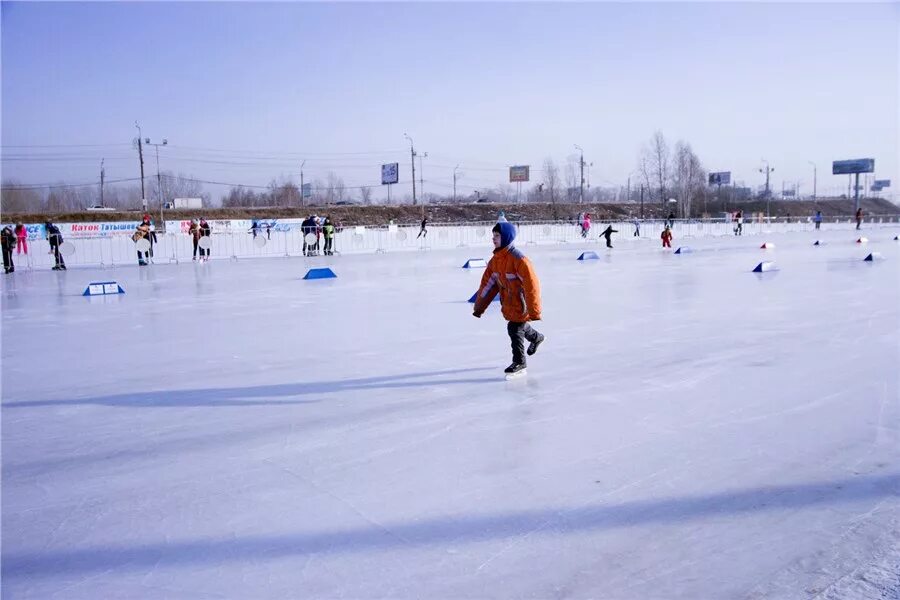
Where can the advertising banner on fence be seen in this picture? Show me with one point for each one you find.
(37, 231)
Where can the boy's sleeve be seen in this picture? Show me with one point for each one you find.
(532, 288)
(486, 291)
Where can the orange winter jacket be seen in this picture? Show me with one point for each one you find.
(510, 274)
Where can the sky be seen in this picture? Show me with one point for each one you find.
(244, 92)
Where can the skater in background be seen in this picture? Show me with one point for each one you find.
(194, 232)
(328, 232)
(666, 237)
(818, 219)
(510, 274)
(151, 233)
(739, 222)
(607, 233)
(268, 231)
(54, 236)
(21, 239)
(859, 217)
(7, 241)
(423, 231)
(637, 227)
(142, 232)
(585, 225)
(205, 231)
(671, 220)
(254, 228)
(306, 227)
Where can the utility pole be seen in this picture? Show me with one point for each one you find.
(141, 158)
(455, 169)
(814, 179)
(102, 177)
(302, 197)
(412, 158)
(581, 167)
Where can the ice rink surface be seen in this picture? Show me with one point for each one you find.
(688, 430)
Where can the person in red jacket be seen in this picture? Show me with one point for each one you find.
(510, 274)
(666, 237)
(21, 238)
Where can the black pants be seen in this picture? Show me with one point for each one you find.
(609, 242)
(196, 247)
(858, 222)
(817, 224)
(8, 265)
(518, 333)
(143, 257)
(422, 232)
(60, 262)
(328, 242)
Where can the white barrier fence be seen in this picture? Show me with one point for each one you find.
(232, 240)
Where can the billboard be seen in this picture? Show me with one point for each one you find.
(390, 173)
(883, 183)
(857, 165)
(307, 190)
(720, 178)
(519, 173)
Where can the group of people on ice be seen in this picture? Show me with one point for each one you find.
(16, 238)
(318, 227)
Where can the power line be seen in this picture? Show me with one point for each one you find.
(38, 186)
(62, 145)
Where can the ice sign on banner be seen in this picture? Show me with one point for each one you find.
(390, 173)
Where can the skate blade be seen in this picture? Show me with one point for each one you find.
(519, 375)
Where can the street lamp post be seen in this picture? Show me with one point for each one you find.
(581, 166)
(814, 179)
(165, 142)
(412, 157)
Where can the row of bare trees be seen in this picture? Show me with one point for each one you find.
(16, 198)
(671, 173)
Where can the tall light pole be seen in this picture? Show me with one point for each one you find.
(768, 170)
(412, 158)
(455, 169)
(165, 142)
(814, 178)
(302, 197)
(102, 177)
(422, 175)
(581, 166)
(141, 159)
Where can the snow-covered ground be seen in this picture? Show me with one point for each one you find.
(688, 430)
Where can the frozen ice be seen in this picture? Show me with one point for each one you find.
(689, 429)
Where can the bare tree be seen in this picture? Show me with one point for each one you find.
(339, 189)
(654, 164)
(17, 199)
(551, 179)
(365, 193)
(687, 177)
(177, 186)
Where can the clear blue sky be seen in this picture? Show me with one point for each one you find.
(482, 85)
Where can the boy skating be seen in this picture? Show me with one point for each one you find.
(666, 237)
(510, 274)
